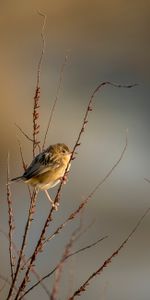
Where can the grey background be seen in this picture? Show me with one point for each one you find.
(108, 40)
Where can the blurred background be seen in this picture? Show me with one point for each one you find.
(107, 40)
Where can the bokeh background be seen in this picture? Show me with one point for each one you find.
(107, 40)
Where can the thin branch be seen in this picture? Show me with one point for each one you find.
(42, 241)
(74, 236)
(28, 137)
(21, 154)
(36, 104)
(85, 229)
(39, 245)
(10, 219)
(38, 277)
(83, 287)
(35, 143)
(29, 220)
(3, 286)
(57, 266)
(43, 45)
(24, 164)
(83, 125)
(56, 99)
(87, 247)
(71, 279)
(14, 246)
(91, 194)
(23, 132)
(6, 280)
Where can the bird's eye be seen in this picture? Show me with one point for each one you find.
(64, 151)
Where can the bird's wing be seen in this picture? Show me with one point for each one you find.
(42, 163)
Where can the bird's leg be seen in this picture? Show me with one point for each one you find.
(52, 202)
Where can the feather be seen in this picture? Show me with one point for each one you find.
(42, 163)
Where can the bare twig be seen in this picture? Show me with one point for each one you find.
(21, 154)
(43, 241)
(3, 286)
(10, 220)
(87, 247)
(83, 125)
(74, 236)
(36, 104)
(35, 144)
(56, 99)
(83, 287)
(14, 246)
(6, 280)
(28, 137)
(85, 229)
(29, 220)
(23, 132)
(24, 260)
(38, 277)
(24, 164)
(39, 245)
(65, 258)
(91, 194)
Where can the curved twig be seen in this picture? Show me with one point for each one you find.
(39, 245)
(83, 287)
(55, 100)
(84, 123)
(91, 194)
(63, 259)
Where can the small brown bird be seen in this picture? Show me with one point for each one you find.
(47, 168)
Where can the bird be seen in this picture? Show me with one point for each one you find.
(47, 169)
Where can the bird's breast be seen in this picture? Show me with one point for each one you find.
(48, 179)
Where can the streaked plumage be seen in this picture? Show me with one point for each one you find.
(47, 168)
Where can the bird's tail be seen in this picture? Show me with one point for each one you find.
(17, 178)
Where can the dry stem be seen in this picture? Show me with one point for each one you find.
(83, 287)
(6, 280)
(35, 143)
(74, 236)
(89, 196)
(36, 104)
(41, 241)
(10, 220)
(23, 258)
(38, 277)
(56, 99)
(83, 125)
(65, 258)
(21, 155)
(24, 133)
(29, 220)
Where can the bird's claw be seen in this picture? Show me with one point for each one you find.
(55, 206)
(64, 179)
